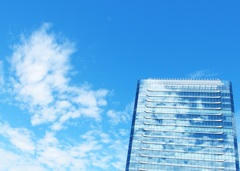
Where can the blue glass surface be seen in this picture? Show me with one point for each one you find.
(183, 125)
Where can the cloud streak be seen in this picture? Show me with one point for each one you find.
(202, 74)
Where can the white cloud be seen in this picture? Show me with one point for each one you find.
(117, 117)
(120, 147)
(50, 153)
(41, 86)
(202, 74)
(40, 81)
(19, 137)
(14, 162)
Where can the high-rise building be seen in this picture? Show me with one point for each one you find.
(183, 125)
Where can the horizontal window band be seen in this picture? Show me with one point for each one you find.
(187, 91)
(141, 169)
(187, 102)
(178, 107)
(177, 144)
(178, 158)
(214, 133)
(184, 119)
(179, 96)
(195, 126)
(177, 151)
(186, 138)
(181, 165)
(209, 114)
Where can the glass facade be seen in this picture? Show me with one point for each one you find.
(183, 125)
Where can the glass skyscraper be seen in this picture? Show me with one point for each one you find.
(183, 125)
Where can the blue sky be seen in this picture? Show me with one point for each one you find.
(69, 69)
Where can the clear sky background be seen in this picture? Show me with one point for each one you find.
(69, 70)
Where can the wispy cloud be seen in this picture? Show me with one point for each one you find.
(116, 117)
(42, 84)
(13, 161)
(86, 152)
(202, 74)
(18, 137)
(42, 87)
